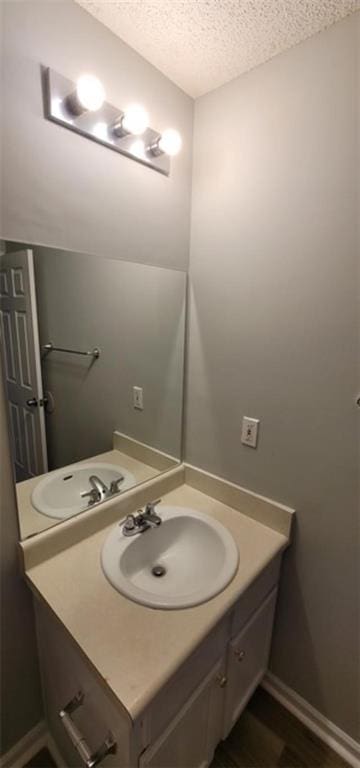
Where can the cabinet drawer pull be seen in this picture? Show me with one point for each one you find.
(222, 680)
(90, 759)
(240, 655)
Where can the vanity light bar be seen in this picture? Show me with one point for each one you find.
(82, 108)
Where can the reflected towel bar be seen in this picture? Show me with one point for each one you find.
(90, 353)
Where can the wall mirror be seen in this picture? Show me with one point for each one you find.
(93, 352)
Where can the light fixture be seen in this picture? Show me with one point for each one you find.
(169, 143)
(82, 107)
(89, 95)
(135, 120)
(138, 149)
(100, 130)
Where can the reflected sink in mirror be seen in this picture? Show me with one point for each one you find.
(186, 560)
(66, 492)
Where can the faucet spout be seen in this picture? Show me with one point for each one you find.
(99, 490)
(98, 485)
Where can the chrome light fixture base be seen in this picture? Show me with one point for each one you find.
(99, 126)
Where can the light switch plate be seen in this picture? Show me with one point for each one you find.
(249, 432)
(138, 399)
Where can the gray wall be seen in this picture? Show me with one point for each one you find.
(273, 335)
(65, 191)
(136, 315)
(21, 706)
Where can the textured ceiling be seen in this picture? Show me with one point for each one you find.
(201, 44)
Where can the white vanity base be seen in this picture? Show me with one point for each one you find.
(198, 706)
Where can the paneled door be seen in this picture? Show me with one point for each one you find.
(22, 363)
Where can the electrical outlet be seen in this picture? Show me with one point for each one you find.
(249, 432)
(138, 400)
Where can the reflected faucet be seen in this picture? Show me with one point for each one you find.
(99, 490)
(98, 486)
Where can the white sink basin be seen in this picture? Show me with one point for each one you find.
(58, 494)
(196, 554)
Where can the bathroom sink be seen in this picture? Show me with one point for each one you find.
(183, 562)
(59, 494)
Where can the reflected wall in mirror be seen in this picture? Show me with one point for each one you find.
(93, 352)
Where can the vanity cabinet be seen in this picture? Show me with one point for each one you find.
(187, 718)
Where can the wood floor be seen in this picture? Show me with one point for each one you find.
(267, 735)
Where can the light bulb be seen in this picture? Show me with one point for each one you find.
(90, 92)
(135, 120)
(170, 142)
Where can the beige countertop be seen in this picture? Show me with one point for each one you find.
(136, 649)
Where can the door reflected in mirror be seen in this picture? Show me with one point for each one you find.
(92, 355)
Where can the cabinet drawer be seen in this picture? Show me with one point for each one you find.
(255, 594)
(248, 656)
(64, 672)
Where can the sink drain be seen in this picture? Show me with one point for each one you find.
(158, 570)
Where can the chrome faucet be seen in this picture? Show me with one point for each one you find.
(114, 485)
(141, 520)
(99, 490)
(150, 515)
(99, 486)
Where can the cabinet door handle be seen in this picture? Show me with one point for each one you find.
(222, 680)
(90, 759)
(240, 655)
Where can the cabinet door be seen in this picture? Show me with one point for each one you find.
(181, 686)
(190, 739)
(247, 660)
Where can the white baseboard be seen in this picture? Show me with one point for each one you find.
(24, 749)
(328, 732)
(52, 747)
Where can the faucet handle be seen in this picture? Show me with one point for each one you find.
(93, 496)
(114, 485)
(150, 506)
(130, 523)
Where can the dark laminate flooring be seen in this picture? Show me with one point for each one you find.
(42, 759)
(268, 736)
